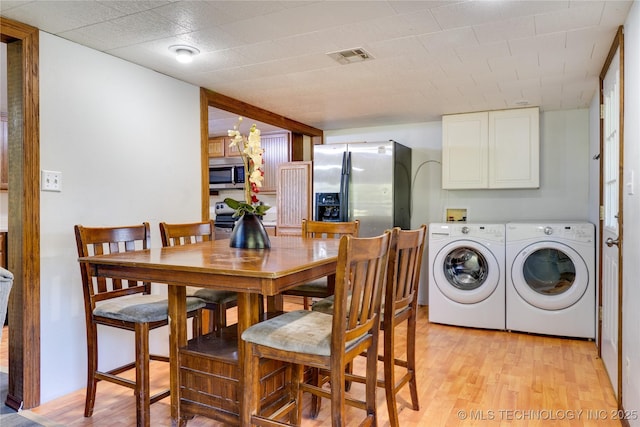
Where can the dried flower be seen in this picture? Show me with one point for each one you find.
(251, 153)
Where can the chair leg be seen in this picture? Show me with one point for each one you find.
(297, 378)
(142, 390)
(338, 395)
(371, 384)
(217, 318)
(316, 401)
(92, 366)
(221, 318)
(389, 375)
(305, 303)
(411, 359)
(197, 324)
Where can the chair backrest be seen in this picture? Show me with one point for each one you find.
(403, 273)
(186, 233)
(105, 240)
(360, 279)
(326, 229)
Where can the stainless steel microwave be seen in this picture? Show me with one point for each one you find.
(225, 173)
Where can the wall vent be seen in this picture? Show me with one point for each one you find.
(349, 56)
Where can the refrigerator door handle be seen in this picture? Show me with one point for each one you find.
(344, 186)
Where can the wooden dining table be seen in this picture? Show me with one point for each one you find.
(289, 262)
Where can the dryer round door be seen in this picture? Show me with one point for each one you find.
(549, 275)
(466, 272)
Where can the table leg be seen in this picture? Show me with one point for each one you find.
(248, 314)
(275, 303)
(177, 339)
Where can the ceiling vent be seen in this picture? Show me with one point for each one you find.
(350, 56)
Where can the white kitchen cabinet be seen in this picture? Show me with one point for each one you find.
(465, 150)
(491, 149)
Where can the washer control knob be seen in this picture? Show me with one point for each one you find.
(465, 230)
(548, 231)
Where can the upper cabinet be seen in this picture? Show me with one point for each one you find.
(491, 149)
(219, 147)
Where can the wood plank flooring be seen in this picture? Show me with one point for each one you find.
(466, 377)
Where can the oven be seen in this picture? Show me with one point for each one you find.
(224, 221)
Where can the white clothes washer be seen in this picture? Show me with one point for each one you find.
(550, 278)
(466, 275)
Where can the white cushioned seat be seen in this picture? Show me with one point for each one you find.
(141, 308)
(300, 331)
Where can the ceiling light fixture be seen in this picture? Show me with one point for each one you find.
(184, 54)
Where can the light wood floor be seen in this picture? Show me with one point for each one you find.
(467, 377)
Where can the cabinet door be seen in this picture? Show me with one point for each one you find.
(514, 148)
(465, 151)
(216, 146)
(230, 151)
(276, 152)
(294, 197)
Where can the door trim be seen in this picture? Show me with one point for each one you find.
(24, 218)
(618, 43)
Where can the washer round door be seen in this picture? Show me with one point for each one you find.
(549, 275)
(466, 272)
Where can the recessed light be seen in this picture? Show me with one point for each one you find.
(184, 54)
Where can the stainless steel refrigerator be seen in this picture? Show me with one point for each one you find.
(368, 181)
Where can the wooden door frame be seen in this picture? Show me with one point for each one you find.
(209, 98)
(618, 43)
(24, 217)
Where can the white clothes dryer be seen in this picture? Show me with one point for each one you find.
(550, 278)
(466, 275)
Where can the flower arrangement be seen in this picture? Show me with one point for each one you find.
(251, 153)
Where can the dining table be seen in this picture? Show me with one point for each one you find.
(291, 261)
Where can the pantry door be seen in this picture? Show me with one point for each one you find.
(611, 149)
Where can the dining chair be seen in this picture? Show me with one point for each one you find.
(324, 341)
(217, 301)
(399, 305)
(322, 288)
(123, 304)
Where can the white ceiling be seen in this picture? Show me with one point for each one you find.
(430, 57)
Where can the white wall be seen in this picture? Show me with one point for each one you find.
(564, 172)
(127, 141)
(564, 176)
(631, 215)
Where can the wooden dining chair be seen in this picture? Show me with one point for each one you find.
(217, 301)
(323, 341)
(323, 287)
(399, 305)
(122, 304)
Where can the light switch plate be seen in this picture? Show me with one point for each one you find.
(51, 181)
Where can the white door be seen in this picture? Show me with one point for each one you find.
(611, 221)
